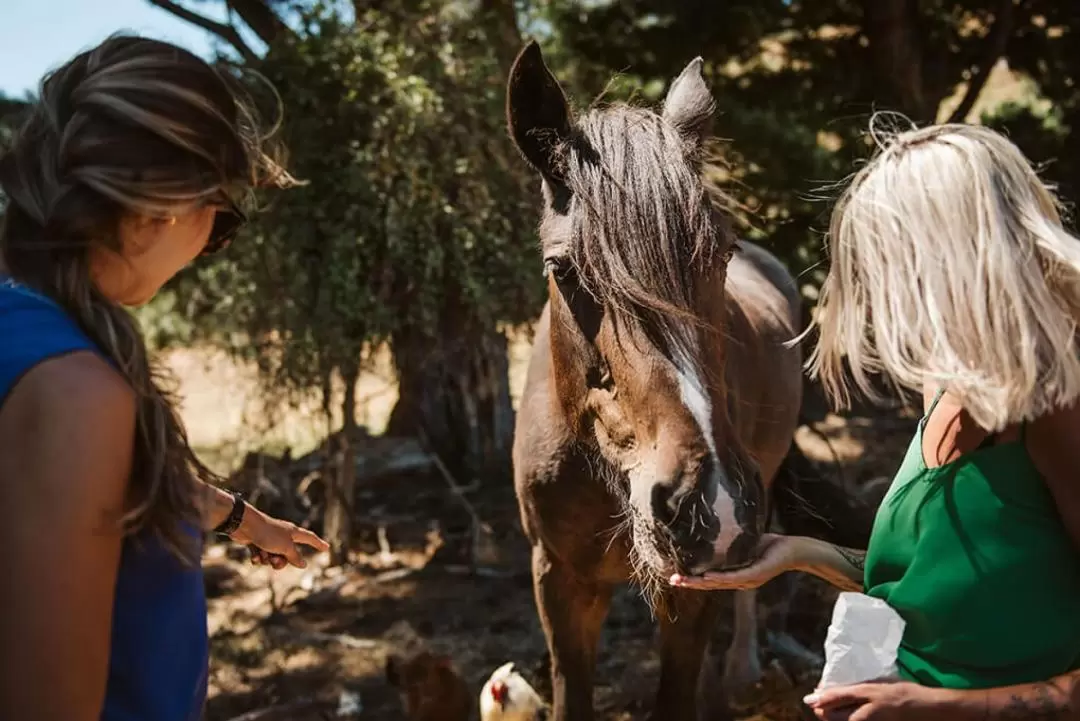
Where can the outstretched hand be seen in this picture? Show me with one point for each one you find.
(775, 554)
(274, 542)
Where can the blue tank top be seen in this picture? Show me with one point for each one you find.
(159, 653)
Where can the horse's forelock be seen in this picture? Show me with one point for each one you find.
(645, 230)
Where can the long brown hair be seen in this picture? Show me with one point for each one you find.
(132, 126)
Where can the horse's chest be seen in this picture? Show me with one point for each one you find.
(573, 510)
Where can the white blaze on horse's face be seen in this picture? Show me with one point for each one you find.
(695, 397)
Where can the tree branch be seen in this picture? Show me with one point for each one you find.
(228, 33)
(261, 18)
(997, 42)
(10, 106)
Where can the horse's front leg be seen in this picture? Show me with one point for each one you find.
(686, 624)
(572, 611)
(742, 662)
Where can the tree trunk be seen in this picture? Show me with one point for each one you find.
(499, 18)
(892, 27)
(342, 491)
(454, 393)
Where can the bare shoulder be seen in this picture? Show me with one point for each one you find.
(67, 433)
(1054, 444)
(80, 381)
(68, 425)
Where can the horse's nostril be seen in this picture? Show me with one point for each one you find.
(664, 503)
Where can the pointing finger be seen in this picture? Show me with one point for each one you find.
(306, 537)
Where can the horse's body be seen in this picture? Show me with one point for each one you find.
(569, 514)
(661, 397)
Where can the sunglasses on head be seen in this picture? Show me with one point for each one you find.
(227, 223)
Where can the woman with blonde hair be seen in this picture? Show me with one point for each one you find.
(952, 274)
(137, 158)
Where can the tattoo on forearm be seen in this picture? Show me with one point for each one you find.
(857, 559)
(1039, 704)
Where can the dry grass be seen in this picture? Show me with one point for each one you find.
(226, 414)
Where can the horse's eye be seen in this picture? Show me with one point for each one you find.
(600, 377)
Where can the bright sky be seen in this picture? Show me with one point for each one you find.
(37, 35)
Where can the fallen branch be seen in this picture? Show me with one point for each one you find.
(479, 528)
(285, 712)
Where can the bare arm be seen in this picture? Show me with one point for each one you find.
(66, 440)
(215, 506)
(275, 542)
(1054, 444)
(1054, 700)
(842, 567)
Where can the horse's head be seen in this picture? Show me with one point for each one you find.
(635, 246)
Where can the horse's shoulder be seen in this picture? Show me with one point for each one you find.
(756, 268)
(760, 288)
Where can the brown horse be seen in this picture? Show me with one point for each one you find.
(660, 398)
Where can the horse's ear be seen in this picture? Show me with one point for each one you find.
(689, 105)
(537, 113)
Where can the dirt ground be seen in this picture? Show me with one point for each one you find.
(317, 640)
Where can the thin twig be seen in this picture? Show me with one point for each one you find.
(477, 523)
(228, 33)
(282, 711)
(456, 487)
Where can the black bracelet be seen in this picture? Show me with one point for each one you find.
(235, 517)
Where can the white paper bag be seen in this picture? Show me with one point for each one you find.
(862, 641)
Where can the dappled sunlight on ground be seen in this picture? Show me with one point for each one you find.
(308, 640)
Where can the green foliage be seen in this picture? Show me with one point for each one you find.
(10, 111)
(1045, 49)
(164, 323)
(414, 215)
(795, 82)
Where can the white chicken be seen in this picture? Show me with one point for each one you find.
(508, 697)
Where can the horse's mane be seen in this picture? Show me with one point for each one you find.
(649, 225)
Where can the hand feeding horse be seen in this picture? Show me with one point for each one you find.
(660, 398)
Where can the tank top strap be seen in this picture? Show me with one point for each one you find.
(933, 404)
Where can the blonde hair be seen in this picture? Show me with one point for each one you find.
(950, 266)
(132, 126)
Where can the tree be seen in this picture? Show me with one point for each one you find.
(797, 82)
(10, 112)
(1045, 49)
(414, 228)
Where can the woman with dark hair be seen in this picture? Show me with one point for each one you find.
(137, 158)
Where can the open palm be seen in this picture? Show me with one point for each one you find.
(776, 554)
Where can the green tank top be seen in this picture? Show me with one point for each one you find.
(975, 558)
